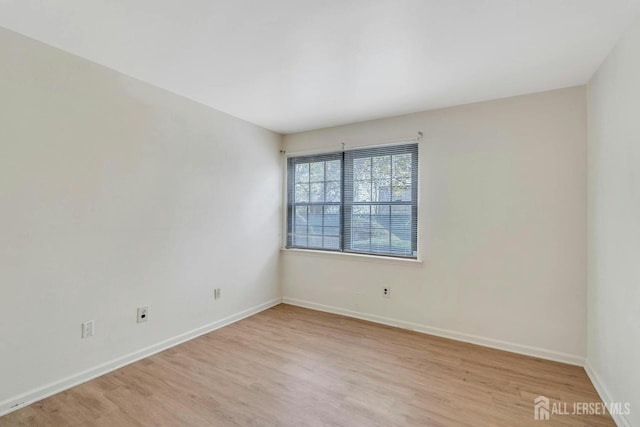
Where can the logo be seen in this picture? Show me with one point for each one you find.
(541, 408)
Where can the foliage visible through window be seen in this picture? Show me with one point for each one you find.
(361, 201)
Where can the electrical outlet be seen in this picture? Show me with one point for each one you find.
(143, 314)
(217, 293)
(87, 329)
(386, 291)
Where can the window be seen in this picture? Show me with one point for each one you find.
(359, 201)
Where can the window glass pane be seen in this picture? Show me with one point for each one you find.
(381, 178)
(402, 175)
(334, 170)
(361, 228)
(332, 209)
(380, 240)
(401, 191)
(332, 231)
(332, 216)
(315, 241)
(380, 216)
(370, 226)
(302, 193)
(300, 240)
(382, 190)
(401, 229)
(361, 239)
(362, 191)
(332, 243)
(315, 219)
(317, 172)
(402, 166)
(381, 167)
(362, 169)
(302, 172)
(317, 192)
(301, 215)
(359, 210)
(332, 191)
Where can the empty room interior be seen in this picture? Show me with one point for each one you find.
(320, 213)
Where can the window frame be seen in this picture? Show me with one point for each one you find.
(324, 157)
(346, 203)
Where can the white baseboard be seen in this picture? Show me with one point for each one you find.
(40, 393)
(459, 336)
(621, 420)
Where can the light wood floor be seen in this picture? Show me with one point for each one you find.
(289, 366)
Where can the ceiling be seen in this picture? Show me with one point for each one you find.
(293, 65)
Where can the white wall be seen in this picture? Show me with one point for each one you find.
(115, 194)
(614, 224)
(503, 220)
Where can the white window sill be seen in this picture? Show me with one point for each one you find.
(354, 257)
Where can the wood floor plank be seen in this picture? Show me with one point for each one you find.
(290, 366)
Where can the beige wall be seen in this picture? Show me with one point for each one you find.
(116, 194)
(503, 228)
(614, 226)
